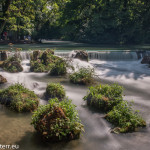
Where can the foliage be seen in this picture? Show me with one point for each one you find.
(43, 61)
(59, 68)
(57, 121)
(104, 97)
(82, 76)
(55, 90)
(124, 118)
(12, 64)
(19, 98)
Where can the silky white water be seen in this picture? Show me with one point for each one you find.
(131, 74)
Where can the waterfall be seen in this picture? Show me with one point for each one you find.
(113, 55)
(62, 54)
(105, 55)
(23, 55)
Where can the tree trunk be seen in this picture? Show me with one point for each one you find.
(5, 15)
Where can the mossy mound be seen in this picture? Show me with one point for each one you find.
(124, 118)
(55, 90)
(12, 64)
(43, 61)
(2, 79)
(104, 97)
(57, 121)
(82, 76)
(59, 68)
(19, 98)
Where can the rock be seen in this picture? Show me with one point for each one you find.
(2, 79)
(12, 65)
(3, 55)
(36, 54)
(80, 54)
(145, 60)
(17, 65)
(50, 51)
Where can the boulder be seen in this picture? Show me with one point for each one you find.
(145, 60)
(2, 79)
(36, 54)
(80, 54)
(3, 55)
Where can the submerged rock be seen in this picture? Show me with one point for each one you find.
(2, 79)
(145, 60)
(80, 54)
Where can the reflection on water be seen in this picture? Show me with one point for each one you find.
(16, 129)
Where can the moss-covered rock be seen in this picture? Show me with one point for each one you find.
(104, 97)
(55, 90)
(19, 98)
(57, 121)
(42, 61)
(82, 76)
(124, 118)
(59, 68)
(3, 55)
(2, 79)
(12, 64)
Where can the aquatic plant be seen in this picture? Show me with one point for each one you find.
(104, 97)
(54, 90)
(124, 118)
(82, 76)
(57, 121)
(19, 98)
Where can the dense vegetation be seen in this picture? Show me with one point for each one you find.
(12, 64)
(57, 121)
(45, 61)
(108, 98)
(55, 90)
(104, 97)
(19, 98)
(82, 76)
(124, 118)
(105, 21)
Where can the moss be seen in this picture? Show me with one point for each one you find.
(83, 76)
(42, 61)
(12, 64)
(2, 79)
(19, 98)
(54, 90)
(124, 118)
(59, 68)
(104, 97)
(57, 121)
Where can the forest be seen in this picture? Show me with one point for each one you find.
(96, 21)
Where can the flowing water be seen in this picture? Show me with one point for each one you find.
(16, 129)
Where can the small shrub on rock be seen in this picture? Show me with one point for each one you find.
(19, 98)
(55, 90)
(42, 61)
(124, 118)
(57, 121)
(82, 76)
(104, 97)
(12, 64)
(59, 68)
